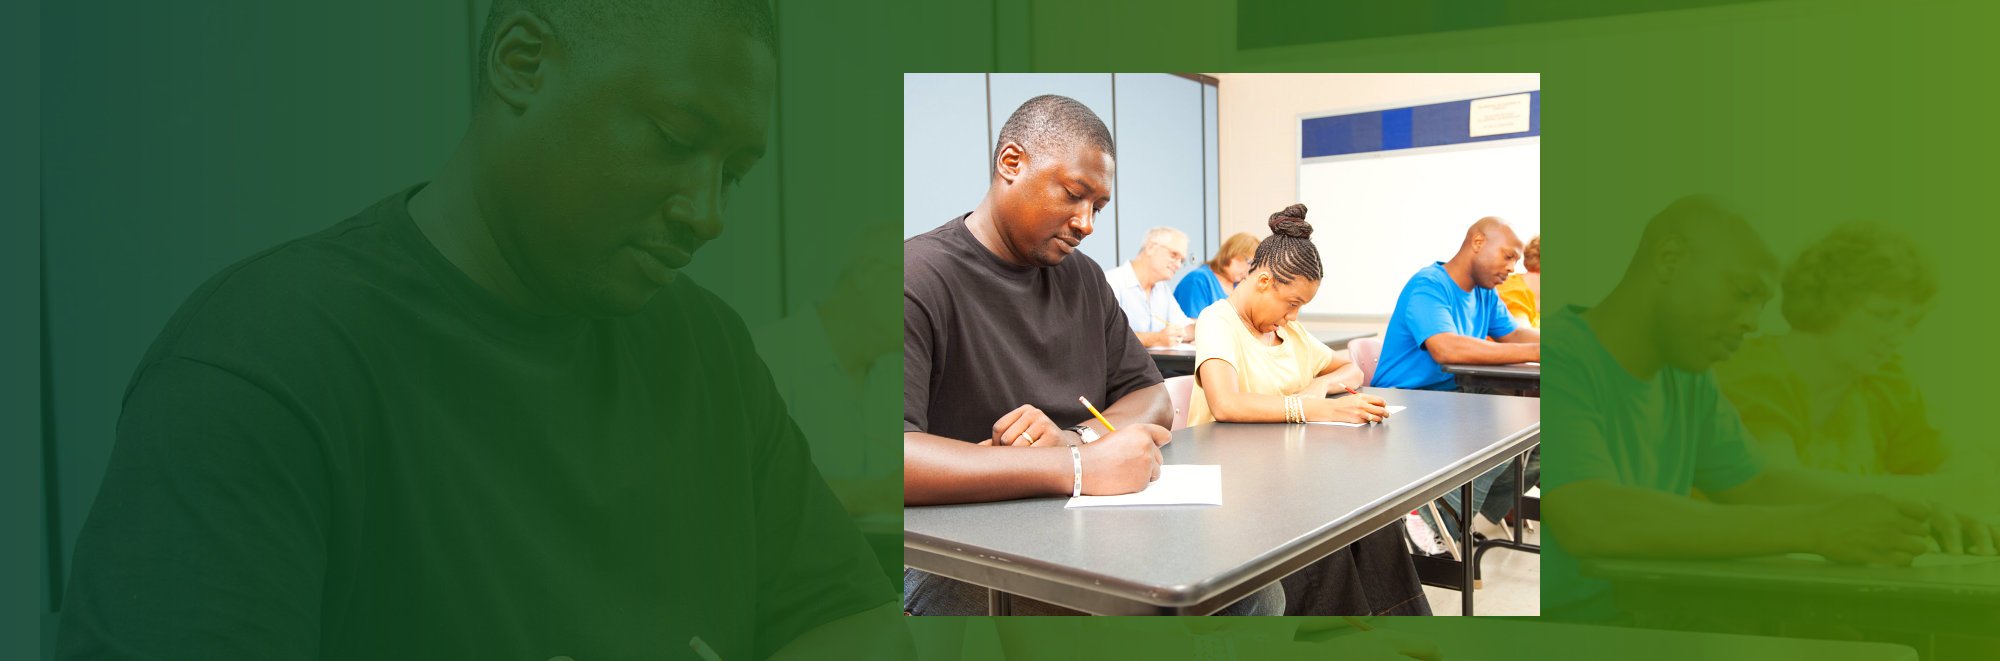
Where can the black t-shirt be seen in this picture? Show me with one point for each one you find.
(981, 337)
(344, 448)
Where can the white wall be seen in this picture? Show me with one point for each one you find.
(1259, 125)
(1259, 130)
(1381, 216)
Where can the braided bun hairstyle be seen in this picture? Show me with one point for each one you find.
(1289, 253)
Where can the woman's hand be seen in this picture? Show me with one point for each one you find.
(1362, 408)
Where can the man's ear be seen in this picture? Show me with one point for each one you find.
(517, 58)
(1010, 162)
(1667, 260)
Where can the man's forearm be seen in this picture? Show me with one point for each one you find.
(1599, 518)
(1779, 485)
(1449, 348)
(939, 470)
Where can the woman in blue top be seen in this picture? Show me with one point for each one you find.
(1212, 281)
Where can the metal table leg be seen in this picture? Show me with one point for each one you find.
(1465, 531)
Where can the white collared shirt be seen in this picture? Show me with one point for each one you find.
(1147, 311)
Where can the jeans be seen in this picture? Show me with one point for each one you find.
(930, 594)
(1492, 492)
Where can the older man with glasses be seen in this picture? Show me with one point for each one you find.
(1145, 289)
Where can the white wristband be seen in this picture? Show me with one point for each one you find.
(1076, 461)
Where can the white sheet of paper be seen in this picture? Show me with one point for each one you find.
(1392, 411)
(1180, 484)
(1925, 560)
(1184, 346)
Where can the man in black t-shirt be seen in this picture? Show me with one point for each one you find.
(487, 418)
(1003, 329)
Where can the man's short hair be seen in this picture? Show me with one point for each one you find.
(1052, 123)
(583, 22)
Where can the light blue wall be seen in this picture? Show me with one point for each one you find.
(1212, 166)
(1164, 126)
(945, 147)
(1159, 159)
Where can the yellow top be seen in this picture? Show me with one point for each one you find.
(1520, 300)
(1880, 428)
(1284, 369)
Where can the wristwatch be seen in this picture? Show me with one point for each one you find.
(1084, 432)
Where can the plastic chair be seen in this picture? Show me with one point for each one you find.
(1365, 352)
(1180, 389)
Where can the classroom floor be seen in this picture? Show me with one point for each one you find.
(1512, 584)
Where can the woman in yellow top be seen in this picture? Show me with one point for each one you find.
(1832, 393)
(1255, 363)
(1522, 292)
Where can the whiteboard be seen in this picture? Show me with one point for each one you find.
(1379, 217)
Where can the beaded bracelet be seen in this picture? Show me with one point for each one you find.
(1076, 461)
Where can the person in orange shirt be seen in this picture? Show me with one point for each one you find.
(1833, 394)
(1522, 292)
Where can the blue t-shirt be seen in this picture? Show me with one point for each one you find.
(1432, 303)
(1671, 433)
(1198, 289)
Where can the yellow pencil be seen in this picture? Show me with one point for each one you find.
(1100, 416)
(1357, 623)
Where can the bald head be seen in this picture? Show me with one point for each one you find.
(1489, 252)
(1491, 229)
(1701, 275)
(1700, 230)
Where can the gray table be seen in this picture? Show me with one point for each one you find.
(1292, 494)
(1962, 600)
(1174, 361)
(1521, 377)
(1182, 360)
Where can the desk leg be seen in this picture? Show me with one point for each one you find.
(1521, 494)
(1465, 533)
(998, 603)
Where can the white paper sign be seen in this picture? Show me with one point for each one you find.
(1500, 115)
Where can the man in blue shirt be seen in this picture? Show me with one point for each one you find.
(1448, 313)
